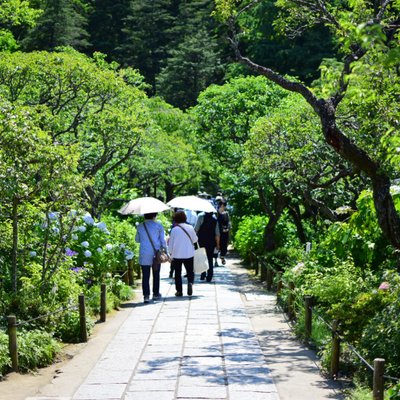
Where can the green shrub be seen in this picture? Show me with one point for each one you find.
(249, 236)
(68, 328)
(5, 360)
(36, 349)
(381, 336)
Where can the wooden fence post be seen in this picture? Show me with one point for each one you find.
(12, 341)
(308, 316)
(263, 275)
(103, 302)
(378, 388)
(279, 286)
(335, 350)
(270, 278)
(130, 273)
(256, 265)
(291, 310)
(82, 319)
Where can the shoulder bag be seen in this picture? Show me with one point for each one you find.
(161, 255)
(200, 260)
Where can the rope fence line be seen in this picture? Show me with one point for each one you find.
(350, 346)
(61, 310)
(377, 369)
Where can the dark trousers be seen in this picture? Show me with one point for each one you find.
(177, 266)
(210, 272)
(223, 243)
(155, 268)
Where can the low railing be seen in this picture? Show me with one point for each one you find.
(267, 274)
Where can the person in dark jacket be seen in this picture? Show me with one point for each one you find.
(224, 224)
(207, 230)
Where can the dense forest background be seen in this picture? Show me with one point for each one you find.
(177, 45)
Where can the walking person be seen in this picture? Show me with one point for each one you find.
(224, 224)
(151, 236)
(181, 249)
(207, 230)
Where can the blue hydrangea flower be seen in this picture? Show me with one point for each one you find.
(87, 253)
(99, 250)
(52, 215)
(85, 244)
(82, 228)
(128, 255)
(88, 219)
(70, 253)
(109, 246)
(101, 225)
(74, 237)
(32, 254)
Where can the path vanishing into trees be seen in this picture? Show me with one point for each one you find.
(228, 341)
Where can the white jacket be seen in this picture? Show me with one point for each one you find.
(179, 245)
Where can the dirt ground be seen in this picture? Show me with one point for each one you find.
(16, 386)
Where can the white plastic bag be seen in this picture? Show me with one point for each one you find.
(200, 262)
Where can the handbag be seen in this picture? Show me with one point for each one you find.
(200, 260)
(160, 256)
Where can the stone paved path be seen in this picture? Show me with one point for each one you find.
(201, 347)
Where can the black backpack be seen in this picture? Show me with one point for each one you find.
(206, 233)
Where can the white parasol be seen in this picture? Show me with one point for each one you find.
(192, 203)
(143, 205)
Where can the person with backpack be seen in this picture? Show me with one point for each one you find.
(208, 232)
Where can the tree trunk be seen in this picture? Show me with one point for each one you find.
(169, 191)
(387, 215)
(14, 256)
(388, 218)
(295, 214)
(280, 203)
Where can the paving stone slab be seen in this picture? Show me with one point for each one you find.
(219, 392)
(149, 396)
(253, 396)
(101, 375)
(152, 385)
(203, 380)
(99, 392)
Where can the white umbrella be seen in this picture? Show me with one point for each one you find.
(143, 205)
(192, 203)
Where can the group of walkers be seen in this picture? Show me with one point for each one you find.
(189, 229)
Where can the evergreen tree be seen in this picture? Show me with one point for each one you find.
(106, 26)
(194, 56)
(298, 56)
(63, 23)
(148, 29)
(190, 68)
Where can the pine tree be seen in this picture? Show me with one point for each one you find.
(63, 23)
(148, 30)
(106, 26)
(190, 68)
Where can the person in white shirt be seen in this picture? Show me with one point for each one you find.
(191, 217)
(181, 249)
